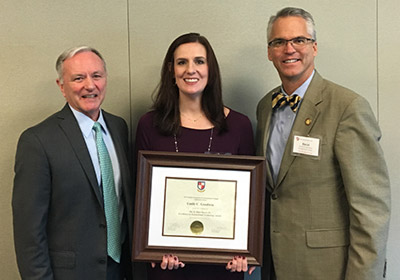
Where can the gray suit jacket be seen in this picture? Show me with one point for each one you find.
(59, 222)
(329, 216)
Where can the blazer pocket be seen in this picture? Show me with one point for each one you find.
(62, 259)
(327, 238)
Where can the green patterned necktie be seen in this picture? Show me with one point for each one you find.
(110, 197)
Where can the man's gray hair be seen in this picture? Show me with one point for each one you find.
(72, 52)
(293, 12)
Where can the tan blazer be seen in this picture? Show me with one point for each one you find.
(329, 215)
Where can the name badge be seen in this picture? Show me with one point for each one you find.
(306, 146)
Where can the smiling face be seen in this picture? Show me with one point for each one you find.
(84, 83)
(294, 65)
(191, 68)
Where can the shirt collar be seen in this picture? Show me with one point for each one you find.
(86, 124)
(301, 90)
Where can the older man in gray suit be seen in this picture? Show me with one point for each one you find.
(72, 198)
(328, 184)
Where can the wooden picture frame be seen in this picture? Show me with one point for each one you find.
(154, 199)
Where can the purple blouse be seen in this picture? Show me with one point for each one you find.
(238, 140)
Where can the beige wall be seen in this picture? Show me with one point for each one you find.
(358, 47)
(389, 116)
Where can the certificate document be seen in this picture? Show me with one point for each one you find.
(199, 208)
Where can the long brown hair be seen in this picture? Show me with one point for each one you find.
(166, 100)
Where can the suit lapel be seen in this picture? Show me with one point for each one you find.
(118, 145)
(265, 119)
(305, 120)
(73, 133)
(121, 148)
(266, 114)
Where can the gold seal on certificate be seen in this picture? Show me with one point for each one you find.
(197, 227)
(199, 208)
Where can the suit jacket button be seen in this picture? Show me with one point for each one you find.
(102, 225)
(274, 196)
(102, 261)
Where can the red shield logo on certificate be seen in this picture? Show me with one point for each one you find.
(201, 186)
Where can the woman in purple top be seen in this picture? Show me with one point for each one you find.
(189, 116)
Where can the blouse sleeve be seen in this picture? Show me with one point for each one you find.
(143, 131)
(246, 146)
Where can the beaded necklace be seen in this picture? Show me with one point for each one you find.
(209, 143)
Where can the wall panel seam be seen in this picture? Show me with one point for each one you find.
(377, 62)
(129, 71)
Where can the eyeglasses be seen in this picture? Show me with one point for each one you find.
(297, 42)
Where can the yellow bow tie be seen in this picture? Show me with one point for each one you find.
(279, 100)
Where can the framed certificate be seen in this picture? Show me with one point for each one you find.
(204, 208)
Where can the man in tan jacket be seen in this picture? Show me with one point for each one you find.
(329, 191)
